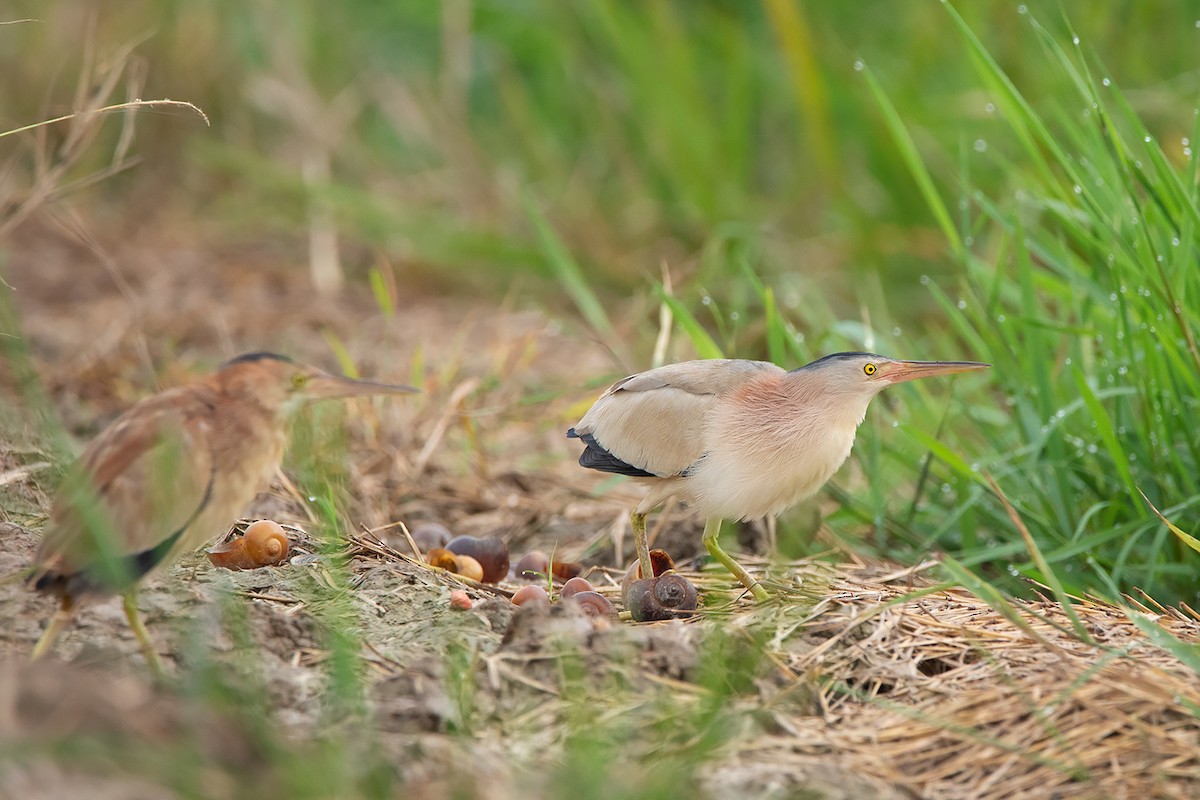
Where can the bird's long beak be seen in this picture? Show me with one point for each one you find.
(324, 386)
(900, 371)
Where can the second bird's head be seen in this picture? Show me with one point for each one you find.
(284, 385)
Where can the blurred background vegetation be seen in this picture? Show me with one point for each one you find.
(1016, 185)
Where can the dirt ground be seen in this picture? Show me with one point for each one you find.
(860, 680)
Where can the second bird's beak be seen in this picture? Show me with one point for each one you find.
(324, 386)
(899, 371)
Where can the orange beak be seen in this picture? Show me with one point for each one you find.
(900, 371)
(324, 386)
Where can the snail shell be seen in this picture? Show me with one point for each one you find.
(660, 563)
(264, 544)
(594, 604)
(531, 595)
(490, 552)
(533, 566)
(468, 568)
(441, 558)
(430, 535)
(575, 586)
(565, 570)
(664, 597)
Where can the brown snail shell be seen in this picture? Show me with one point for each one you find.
(264, 544)
(533, 566)
(565, 570)
(442, 558)
(531, 595)
(468, 568)
(575, 586)
(430, 535)
(490, 552)
(594, 604)
(664, 597)
(660, 563)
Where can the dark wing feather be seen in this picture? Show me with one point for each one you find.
(596, 457)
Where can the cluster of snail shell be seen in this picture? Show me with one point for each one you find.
(664, 595)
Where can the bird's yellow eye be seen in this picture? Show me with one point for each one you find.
(870, 369)
(298, 380)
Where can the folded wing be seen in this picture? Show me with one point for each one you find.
(653, 424)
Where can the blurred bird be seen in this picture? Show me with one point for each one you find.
(737, 439)
(170, 474)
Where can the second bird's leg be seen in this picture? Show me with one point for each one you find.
(640, 544)
(140, 633)
(64, 614)
(712, 529)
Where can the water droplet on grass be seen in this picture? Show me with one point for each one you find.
(980, 146)
(859, 66)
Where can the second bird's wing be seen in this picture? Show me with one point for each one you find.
(654, 421)
(139, 485)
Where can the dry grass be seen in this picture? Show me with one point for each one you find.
(861, 680)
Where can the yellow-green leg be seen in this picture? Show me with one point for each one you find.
(140, 632)
(712, 529)
(640, 543)
(64, 614)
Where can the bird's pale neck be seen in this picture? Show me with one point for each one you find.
(822, 400)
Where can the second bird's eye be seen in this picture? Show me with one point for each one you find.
(869, 369)
(299, 379)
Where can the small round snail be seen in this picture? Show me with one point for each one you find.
(593, 604)
(660, 564)
(430, 535)
(490, 552)
(531, 595)
(264, 544)
(465, 566)
(575, 586)
(665, 597)
(532, 566)
(468, 568)
(565, 570)
(442, 558)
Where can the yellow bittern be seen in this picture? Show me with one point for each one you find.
(170, 474)
(737, 439)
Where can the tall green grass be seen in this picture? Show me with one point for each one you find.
(1081, 290)
(1077, 279)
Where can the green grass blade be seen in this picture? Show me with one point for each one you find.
(702, 343)
(567, 270)
(1184, 536)
(916, 166)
